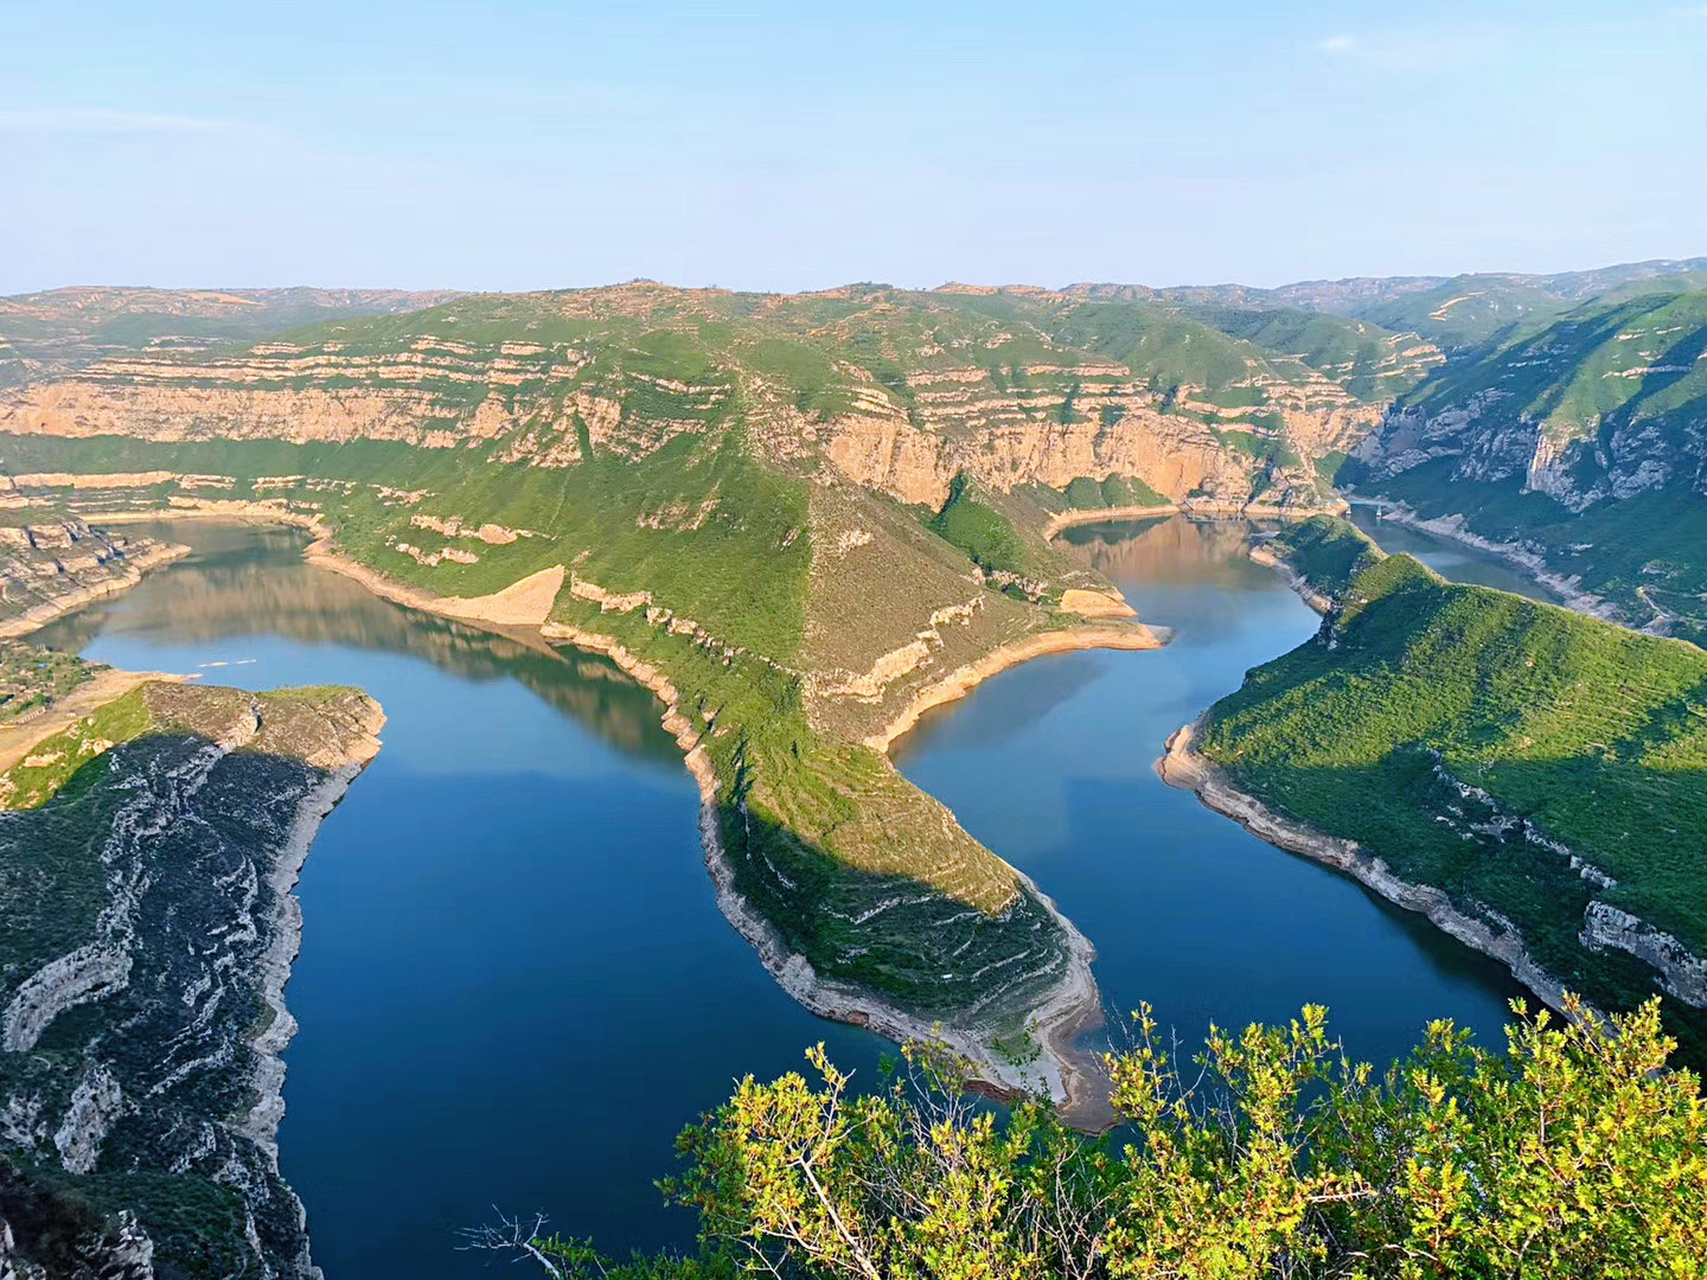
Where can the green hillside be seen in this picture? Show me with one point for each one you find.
(1584, 441)
(690, 463)
(1489, 745)
(1327, 552)
(68, 328)
(1457, 313)
(1370, 362)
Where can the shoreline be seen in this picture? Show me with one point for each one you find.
(1317, 600)
(52, 610)
(1188, 770)
(1073, 1077)
(1206, 508)
(962, 680)
(261, 1123)
(20, 738)
(1567, 592)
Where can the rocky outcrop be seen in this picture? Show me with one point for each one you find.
(50, 568)
(1608, 402)
(199, 825)
(1007, 441)
(1681, 971)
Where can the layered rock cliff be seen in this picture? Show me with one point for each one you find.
(808, 516)
(52, 565)
(146, 860)
(1582, 448)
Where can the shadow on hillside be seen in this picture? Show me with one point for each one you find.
(188, 845)
(891, 935)
(1493, 865)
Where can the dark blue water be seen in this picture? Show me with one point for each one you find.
(515, 985)
(1050, 764)
(1451, 560)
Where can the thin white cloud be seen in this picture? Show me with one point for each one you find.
(64, 121)
(1409, 52)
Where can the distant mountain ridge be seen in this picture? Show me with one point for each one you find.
(60, 329)
(1455, 311)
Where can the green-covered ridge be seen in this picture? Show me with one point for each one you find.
(1527, 760)
(1580, 445)
(146, 855)
(1326, 552)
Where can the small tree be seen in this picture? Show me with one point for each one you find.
(1574, 1153)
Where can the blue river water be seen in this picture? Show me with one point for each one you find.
(515, 986)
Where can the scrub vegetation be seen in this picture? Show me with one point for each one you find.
(1572, 1152)
(1491, 746)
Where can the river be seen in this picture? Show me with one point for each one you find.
(515, 985)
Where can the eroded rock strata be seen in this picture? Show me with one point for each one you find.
(147, 870)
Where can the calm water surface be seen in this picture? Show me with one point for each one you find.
(1449, 559)
(1051, 765)
(515, 985)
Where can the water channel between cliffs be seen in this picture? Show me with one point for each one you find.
(515, 985)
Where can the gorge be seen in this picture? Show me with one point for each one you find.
(809, 524)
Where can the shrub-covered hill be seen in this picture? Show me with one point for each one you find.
(1546, 770)
(1458, 314)
(1582, 442)
(803, 514)
(60, 329)
(147, 851)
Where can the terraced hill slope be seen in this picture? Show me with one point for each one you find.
(67, 328)
(1457, 313)
(1584, 446)
(147, 851)
(1531, 778)
(800, 518)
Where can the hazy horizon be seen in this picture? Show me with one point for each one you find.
(943, 285)
(430, 147)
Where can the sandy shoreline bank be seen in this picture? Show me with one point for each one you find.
(1074, 1077)
(962, 680)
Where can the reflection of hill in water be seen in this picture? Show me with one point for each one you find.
(252, 581)
(1171, 550)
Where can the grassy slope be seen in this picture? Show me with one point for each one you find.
(1326, 551)
(70, 327)
(1626, 381)
(1596, 735)
(58, 817)
(686, 497)
(1371, 362)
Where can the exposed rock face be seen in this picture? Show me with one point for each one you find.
(172, 913)
(48, 568)
(1006, 440)
(1682, 972)
(1605, 404)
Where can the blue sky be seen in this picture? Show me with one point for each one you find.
(793, 146)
